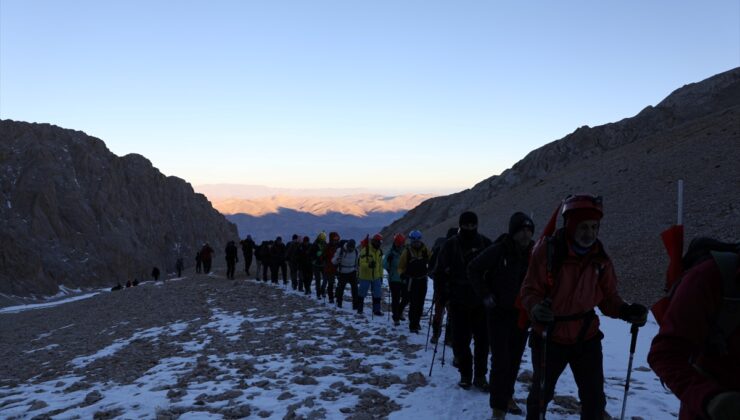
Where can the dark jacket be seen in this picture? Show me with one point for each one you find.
(231, 252)
(316, 253)
(499, 271)
(247, 247)
(303, 257)
(451, 270)
(277, 253)
(681, 348)
(291, 252)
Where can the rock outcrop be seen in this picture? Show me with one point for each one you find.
(72, 213)
(694, 135)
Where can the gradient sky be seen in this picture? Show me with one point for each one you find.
(422, 95)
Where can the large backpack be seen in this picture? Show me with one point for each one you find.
(416, 265)
(726, 256)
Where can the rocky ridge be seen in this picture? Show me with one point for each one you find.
(72, 213)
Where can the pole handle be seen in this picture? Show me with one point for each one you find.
(634, 330)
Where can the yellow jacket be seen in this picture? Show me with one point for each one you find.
(370, 263)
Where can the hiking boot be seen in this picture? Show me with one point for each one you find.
(454, 361)
(377, 313)
(434, 339)
(513, 408)
(396, 322)
(481, 383)
(465, 382)
(415, 330)
(331, 300)
(339, 304)
(498, 414)
(401, 317)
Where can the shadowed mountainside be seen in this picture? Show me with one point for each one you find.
(694, 135)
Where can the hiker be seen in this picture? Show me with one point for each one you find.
(330, 271)
(305, 266)
(128, 284)
(291, 256)
(345, 260)
(258, 250)
(370, 273)
(467, 312)
(231, 259)
(414, 268)
(198, 262)
(155, 273)
(439, 305)
(316, 253)
(179, 266)
(697, 349)
(265, 252)
(497, 274)
(116, 287)
(247, 251)
(135, 283)
(399, 291)
(206, 254)
(560, 294)
(277, 261)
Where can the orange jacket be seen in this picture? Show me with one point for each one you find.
(582, 283)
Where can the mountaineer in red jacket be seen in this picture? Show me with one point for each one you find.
(701, 367)
(569, 275)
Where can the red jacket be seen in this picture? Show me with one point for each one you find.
(581, 284)
(683, 338)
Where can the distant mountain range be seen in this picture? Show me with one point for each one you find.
(281, 215)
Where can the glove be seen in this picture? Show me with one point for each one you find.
(542, 313)
(489, 302)
(633, 313)
(724, 406)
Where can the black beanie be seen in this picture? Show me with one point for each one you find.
(519, 221)
(468, 217)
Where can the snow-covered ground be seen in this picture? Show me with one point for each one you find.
(330, 388)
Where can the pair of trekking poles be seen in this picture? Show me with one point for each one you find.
(634, 329)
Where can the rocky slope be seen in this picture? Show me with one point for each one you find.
(72, 213)
(694, 134)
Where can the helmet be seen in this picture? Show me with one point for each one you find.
(399, 240)
(415, 235)
(333, 236)
(378, 237)
(350, 244)
(582, 202)
(322, 236)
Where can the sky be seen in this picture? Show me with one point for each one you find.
(426, 96)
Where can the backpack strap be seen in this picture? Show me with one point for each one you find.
(728, 318)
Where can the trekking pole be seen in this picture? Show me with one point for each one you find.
(389, 300)
(444, 346)
(633, 330)
(429, 327)
(435, 354)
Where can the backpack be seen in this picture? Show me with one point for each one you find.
(726, 257)
(416, 266)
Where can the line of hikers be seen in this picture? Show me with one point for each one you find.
(501, 294)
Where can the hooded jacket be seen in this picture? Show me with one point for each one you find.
(680, 354)
(581, 284)
(370, 263)
(390, 263)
